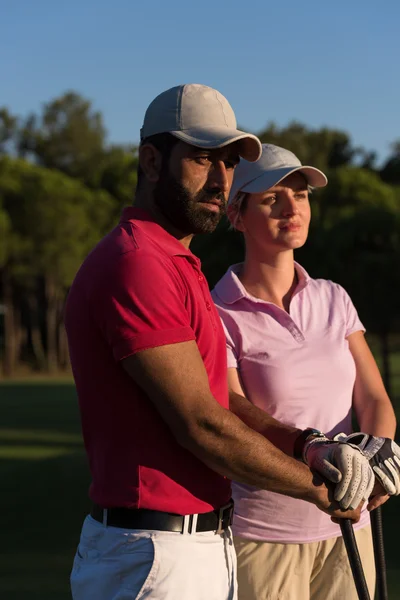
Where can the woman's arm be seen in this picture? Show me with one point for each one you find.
(372, 406)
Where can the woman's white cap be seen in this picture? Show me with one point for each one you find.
(274, 165)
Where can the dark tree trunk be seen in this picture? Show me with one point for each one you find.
(10, 338)
(51, 325)
(63, 354)
(36, 334)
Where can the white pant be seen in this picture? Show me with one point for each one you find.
(125, 564)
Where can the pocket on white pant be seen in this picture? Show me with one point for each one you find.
(114, 566)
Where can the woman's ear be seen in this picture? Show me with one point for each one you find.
(150, 160)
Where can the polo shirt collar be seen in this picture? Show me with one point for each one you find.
(230, 289)
(304, 278)
(168, 242)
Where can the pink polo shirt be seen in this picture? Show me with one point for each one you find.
(299, 369)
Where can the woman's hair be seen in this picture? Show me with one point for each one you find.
(237, 208)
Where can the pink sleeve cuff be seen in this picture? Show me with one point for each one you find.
(356, 327)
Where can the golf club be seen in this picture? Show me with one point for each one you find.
(354, 559)
(379, 553)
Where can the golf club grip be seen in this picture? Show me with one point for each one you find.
(379, 553)
(354, 559)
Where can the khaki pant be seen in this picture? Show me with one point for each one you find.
(315, 571)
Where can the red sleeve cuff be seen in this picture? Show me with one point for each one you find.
(152, 339)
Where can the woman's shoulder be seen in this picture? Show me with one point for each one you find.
(317, 285)
(328, 290)
(327, 285)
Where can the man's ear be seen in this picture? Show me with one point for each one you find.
(150, 160)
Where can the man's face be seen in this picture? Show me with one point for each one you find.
(193, 187)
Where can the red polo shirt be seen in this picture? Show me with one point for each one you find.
(140, 288)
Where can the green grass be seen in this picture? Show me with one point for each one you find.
(44, 482)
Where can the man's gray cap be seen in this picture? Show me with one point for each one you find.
(200, 116)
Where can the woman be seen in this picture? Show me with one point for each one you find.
(296, 350)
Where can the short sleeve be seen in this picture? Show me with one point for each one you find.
(353, 322)
(141, 304)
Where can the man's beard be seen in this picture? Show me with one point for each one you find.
(183, 209)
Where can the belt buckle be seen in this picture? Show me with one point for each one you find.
(220, 528)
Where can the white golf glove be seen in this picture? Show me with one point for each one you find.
(343, 464)
(383, 455)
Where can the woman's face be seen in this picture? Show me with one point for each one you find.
(278, 219)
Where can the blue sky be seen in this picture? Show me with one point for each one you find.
(334, 64)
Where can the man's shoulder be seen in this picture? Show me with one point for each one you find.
(125, 256)
(130, 237)
(126, 244)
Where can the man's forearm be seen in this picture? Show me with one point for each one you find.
(233, 449)
(213, 433)
(224, 443)
(280, 435)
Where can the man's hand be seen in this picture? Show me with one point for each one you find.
(342, 464)
(323, 499)
(383, 455)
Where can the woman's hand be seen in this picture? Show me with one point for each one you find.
(378, 496)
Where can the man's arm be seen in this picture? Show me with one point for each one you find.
(337, 463)
(175, 379)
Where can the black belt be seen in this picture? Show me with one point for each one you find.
(142, 518)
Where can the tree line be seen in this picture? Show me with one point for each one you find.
(63, 186)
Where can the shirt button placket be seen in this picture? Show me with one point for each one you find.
(208, 304)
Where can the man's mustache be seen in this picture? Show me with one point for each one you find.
(208, 195)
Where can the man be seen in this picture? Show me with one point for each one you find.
(148, 355)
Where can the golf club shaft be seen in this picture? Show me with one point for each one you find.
(354, 559)
(379, 553)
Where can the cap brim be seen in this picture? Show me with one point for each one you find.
(268, 179)
(249, 147)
